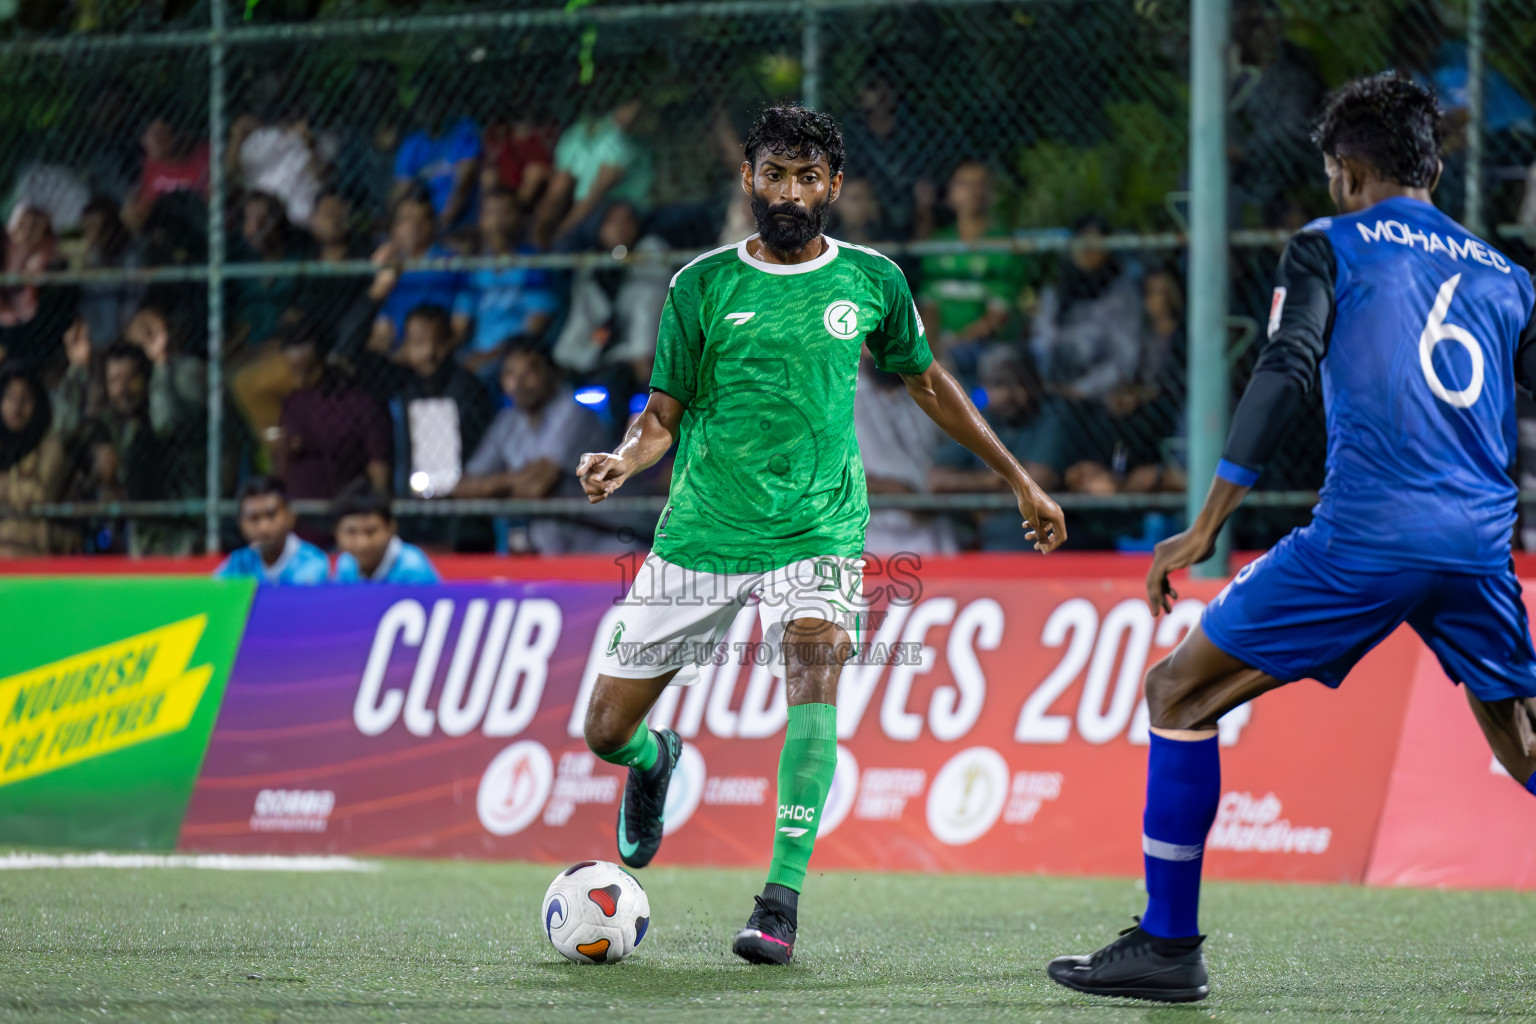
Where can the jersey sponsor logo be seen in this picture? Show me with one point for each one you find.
(514, 787)
(842, 319)
(618, 634)
(1276, 307)
(1459, 249)
(740, 318)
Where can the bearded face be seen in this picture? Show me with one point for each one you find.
(789, 227)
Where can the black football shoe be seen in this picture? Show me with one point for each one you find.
(1138, 965)
(641, 812)
(769, 937)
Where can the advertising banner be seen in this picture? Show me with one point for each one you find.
(993, 725)
(108, 691)
(1454, 817)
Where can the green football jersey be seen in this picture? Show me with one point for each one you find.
(766, 358)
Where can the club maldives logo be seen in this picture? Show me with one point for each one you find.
(967, 796)
(514, 787)
(101, 700)
(1249, 824)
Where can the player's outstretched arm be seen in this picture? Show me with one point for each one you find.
(646, 441)
(946, 403)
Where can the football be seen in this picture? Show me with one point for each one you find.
(595, 913)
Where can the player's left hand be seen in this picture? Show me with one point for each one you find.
(601, 474)
(1180, 551)
(1043, 520)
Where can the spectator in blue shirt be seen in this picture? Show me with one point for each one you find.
(507, 303)
(371, 550)
(274, 553)
(445, 161)
(399, 291)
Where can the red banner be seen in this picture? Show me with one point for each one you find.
(998, 726)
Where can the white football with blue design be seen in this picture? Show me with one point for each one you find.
(595, 913)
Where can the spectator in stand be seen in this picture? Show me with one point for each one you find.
(30, 248)
(885, 142)
(443, 158)
(177, 400)
(78, 398)
(273, 152)
(857, 214)
(1149, 411)
(1086, 332)
(398, 292)
(897, 442)
(367, 125)
(598, 159)
(970, 299)
(273, 554)
(333, 433)
(532, 449)
(516, 160)
(616, 309)
(371, 548)
(107, 306)
(173, 162)
(1030, 425)
(258, 376)
(130, 456)
(338, 306)
(444, 407)
(32, 467)
(507, 303)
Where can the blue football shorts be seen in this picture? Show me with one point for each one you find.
(1298, 613)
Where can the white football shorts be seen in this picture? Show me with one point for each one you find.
(678, 618)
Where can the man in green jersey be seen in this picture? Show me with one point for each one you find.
(754, 378)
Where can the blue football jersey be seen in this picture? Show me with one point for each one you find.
(402, 563)
(1418, 384)
(301, 564)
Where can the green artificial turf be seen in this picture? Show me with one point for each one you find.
(422, 942)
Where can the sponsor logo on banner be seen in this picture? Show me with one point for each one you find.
(738, 791)
(101, 700)
(1030, 791)
(1249, 824)
(576, 783)
(686, 790)
(514, 787)
(884, 792)
(967, 796)
(841, 794)
(292, 810)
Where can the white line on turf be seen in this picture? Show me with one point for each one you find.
(207, 862)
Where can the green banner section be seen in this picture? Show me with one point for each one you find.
(109, 689)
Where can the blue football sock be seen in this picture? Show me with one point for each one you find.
(1183, 789)
(1530, 783)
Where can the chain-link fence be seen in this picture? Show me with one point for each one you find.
(362, 242)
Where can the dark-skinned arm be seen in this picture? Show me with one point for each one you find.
(648, 438)
(940, 396)
(1301, 321)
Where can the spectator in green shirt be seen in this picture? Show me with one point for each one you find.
(969, 298)
(597, 160)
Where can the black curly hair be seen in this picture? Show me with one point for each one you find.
(796, 133)
(1387, 120)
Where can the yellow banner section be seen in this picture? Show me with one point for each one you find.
(99, 701)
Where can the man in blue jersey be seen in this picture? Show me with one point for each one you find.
(1420, 332)
(273, 552)
(371, 550)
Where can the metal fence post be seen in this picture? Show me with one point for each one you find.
(216, 135)
(1477, 41)
(1207, 316)
(810, 56)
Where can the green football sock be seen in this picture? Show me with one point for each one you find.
(639, 753)
(805, 775)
